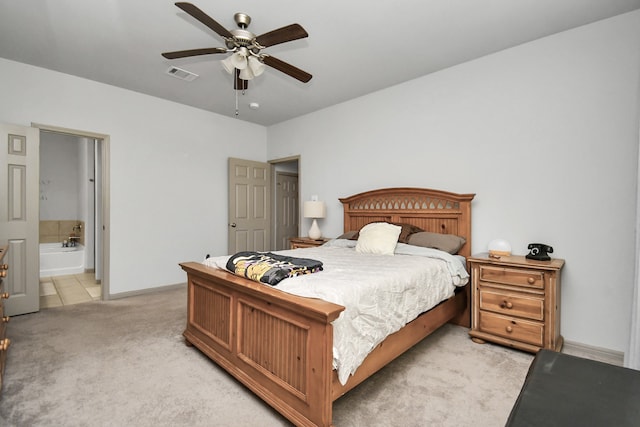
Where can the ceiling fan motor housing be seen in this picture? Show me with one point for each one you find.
(242, 19)
(241, 38)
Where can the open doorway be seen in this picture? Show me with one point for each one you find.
(73, 217)
(286, 201)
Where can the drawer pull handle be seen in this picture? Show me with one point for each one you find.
(506, 304)
(4, 344)
(531, 280)
(509, 329)
(5, 319)
(4, 266)
(4, 295)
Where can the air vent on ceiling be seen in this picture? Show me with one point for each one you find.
(181, 74)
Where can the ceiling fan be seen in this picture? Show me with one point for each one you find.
(246, 60)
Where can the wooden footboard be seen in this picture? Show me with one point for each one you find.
(278, 345)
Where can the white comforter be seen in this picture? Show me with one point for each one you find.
(380, 293)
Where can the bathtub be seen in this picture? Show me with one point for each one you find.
(56, 260)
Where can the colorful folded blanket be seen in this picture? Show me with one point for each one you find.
(270, 268)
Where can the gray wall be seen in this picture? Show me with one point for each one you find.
(546, 135)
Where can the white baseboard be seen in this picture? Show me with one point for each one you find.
(147, 291)
(594, 353)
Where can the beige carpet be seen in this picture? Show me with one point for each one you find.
(124, 363)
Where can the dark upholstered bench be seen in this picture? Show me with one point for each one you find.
(563, 390)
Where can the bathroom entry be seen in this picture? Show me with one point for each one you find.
(71, 206)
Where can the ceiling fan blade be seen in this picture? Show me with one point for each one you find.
(289, 69)
(193, 52)
(205, 19)
(282, 35)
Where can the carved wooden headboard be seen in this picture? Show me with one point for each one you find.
(432, 210)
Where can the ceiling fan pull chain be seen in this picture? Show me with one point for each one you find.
(236, 91)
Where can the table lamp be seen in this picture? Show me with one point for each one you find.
(314, 209)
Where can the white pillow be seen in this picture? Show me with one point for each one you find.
(378, 238)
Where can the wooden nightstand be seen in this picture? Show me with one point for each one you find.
(306, 242)
(516, 302)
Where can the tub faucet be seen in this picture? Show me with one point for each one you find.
(73, 240)
(77, 227)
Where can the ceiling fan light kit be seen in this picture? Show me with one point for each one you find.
(246, 60)
(249, 65)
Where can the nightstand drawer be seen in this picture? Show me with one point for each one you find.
(512, 304)
(512, 276)
(512, 328)
(3, 319)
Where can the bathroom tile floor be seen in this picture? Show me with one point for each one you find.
(66, 290)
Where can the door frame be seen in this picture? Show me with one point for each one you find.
(105, 190)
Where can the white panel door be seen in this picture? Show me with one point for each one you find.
(249, 206)
(286, 209)
(20, 216)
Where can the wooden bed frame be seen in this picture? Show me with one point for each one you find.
(280, 345)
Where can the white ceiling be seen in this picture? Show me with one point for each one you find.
(354, 47)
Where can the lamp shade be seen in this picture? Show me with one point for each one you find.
(314, 209)
(246, 74)
(227, 63)
(239, 60)
(256, 66)
(253, 69)
(236, 60)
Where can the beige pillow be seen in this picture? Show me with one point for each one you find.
(445, 242)
(378, 238)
